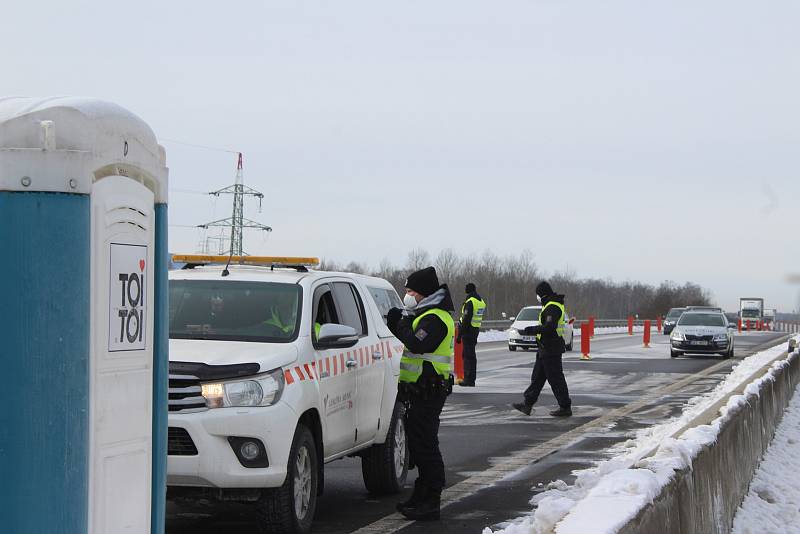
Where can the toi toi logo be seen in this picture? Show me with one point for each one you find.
(127, 298)
(131, 312)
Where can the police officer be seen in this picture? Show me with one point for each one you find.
(551, 347)
(472, 312)
(427, 330)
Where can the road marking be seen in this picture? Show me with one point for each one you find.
(512, 463)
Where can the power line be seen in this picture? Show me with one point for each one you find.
(188, 191)
(195, 145)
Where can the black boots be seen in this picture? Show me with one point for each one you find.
(562, 412)
(424, 504)
(416, 497)
(523, 407)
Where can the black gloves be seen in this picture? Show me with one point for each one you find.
(393, 316)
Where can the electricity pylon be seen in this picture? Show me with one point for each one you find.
(237, 221)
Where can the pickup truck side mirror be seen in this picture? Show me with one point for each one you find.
(336, 336)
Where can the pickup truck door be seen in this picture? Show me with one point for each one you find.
(337, 378)
(368, 357)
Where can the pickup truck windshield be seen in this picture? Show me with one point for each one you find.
(234, 311)
(701, 319)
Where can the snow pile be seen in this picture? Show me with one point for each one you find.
(615, 330)
(607, 496)
(492, 335)
(489, 336)
(773, 504)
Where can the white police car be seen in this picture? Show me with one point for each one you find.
(276, 370)
(529, 316)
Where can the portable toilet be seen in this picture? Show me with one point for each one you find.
(83, 321)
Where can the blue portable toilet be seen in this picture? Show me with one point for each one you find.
(83, 321)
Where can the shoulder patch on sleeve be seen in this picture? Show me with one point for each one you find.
(420, 334)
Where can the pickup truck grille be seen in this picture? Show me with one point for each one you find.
(185, 394)
(179, 442)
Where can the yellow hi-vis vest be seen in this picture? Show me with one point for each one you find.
(441, 358)
(478, 310)
(561, 321)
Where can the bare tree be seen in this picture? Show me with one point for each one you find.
(418, 259)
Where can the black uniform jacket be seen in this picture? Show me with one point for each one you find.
(429, 334)
(551, 344)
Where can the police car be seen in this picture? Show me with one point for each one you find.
(276, 370)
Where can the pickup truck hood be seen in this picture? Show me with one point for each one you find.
(268, 355)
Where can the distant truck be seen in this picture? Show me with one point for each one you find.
(769, 315)
(751, 309)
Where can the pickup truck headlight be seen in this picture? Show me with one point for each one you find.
(260, 390)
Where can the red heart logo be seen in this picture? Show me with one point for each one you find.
(141, 265)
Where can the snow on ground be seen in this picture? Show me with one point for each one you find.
(492, 335)
(489, 336)
(607, 496)
(773, 503)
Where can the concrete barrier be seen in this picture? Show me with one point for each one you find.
(704, 498)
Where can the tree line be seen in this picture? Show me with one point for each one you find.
(508, 283)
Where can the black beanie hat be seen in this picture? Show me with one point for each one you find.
(544, 289)
(470, 288)
(425, 282)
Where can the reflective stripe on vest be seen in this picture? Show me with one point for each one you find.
(478, 310)
(561, 321)
(441, 359)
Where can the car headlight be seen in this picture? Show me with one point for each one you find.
(677, 336)
(721, 337)
(260, 390)
(513, 332)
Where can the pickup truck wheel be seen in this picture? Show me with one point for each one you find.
(291, 507)
(385, 466)
(512, 348)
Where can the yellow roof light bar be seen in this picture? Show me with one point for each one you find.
(203, 259)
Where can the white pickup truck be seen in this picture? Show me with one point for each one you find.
(275, 371)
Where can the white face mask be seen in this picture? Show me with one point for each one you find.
(538, 298)
(409, 301)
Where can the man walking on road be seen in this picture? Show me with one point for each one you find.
(469, 326)
(549, 339)
(427, 330)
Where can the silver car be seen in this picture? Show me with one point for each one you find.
(702, 332)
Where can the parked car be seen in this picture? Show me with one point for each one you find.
(672, 318)
(275, 372)
(702, 332)
(529, 316)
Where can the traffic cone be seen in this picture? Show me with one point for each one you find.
(585, 336)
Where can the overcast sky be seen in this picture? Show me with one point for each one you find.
(634, 140)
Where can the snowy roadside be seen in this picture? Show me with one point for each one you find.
(605, 497)
(773, 503)
(489, 336)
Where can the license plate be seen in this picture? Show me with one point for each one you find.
(528, 338)
(699, 342)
